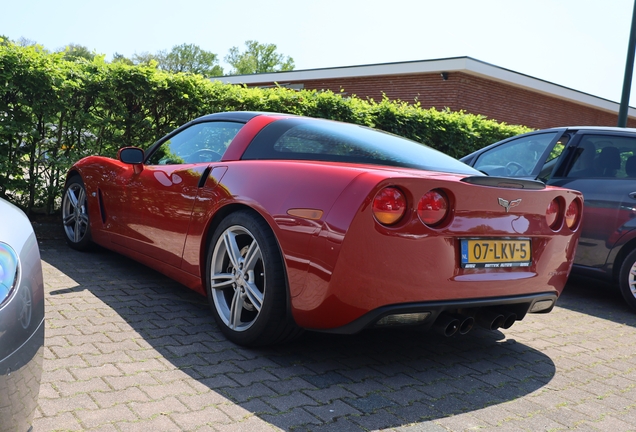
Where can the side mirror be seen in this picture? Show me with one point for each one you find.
(131, 155)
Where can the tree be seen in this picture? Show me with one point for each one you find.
(120, 58)
(191, 58)
(24, 42)
(145, 58)
(258, 58)
(73, 52)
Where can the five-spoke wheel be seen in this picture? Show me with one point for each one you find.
(238, 278)
(246, 282)
(75, 214)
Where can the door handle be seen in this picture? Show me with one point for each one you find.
(632, 195)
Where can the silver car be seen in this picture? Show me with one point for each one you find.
(21, 319)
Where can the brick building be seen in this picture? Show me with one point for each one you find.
(460, 83)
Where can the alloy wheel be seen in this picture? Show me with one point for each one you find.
(237, 278)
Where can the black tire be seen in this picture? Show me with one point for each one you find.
(246, 283)
(627, 279)
(75, 221)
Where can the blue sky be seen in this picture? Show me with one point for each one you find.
(581, 44)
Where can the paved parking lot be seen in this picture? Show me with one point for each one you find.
(128, 349)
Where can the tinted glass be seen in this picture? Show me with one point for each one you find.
(515, 158)
(603, 156)
(202, 142)
(302, 139)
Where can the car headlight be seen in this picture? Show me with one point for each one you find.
(9, 272)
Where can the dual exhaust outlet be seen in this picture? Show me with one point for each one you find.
(450, 324)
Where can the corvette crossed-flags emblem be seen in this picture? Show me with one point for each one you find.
(509, 204)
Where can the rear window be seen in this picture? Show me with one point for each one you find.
(322, 140)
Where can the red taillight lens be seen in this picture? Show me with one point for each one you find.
(389, 205)
(433, 207)
(573, 214)
(553, 214)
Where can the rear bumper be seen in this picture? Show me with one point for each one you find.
(431, 311)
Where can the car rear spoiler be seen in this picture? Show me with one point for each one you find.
(504, 182)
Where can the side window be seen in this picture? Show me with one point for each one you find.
(602, 156)
(516, 158)
(202, 142)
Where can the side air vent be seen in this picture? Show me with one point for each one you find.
(102, 210)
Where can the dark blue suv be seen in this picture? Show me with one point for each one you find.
(600, 162)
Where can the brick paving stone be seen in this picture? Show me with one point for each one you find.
(464, 423)
(565, 416)
(105, 359)
(64, 421)
(366, 387)
(371, 403)
(67, 404)
(71, 388)
(159, 423)
(288, 402)
(105, 416)
(287, 386)
(110, 398)
(85, 373)
(331, 411)
(295, 418)
(251, 424)
(381, 416)
(326, 395)
(421, 427)
(57, 375)
(176, 388)
(259, 407)
(249, 378)
(165, 406)
(245, 393)
(138, 379)
(406, 396)
(340, 425)
(218, 381)
(128, 349)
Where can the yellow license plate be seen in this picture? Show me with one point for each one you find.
(495, 253)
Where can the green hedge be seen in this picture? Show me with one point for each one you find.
(54, 112)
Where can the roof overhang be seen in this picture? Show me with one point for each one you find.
(465, 65)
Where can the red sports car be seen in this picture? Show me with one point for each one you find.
(288, 223)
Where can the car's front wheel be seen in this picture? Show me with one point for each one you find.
(75, 220)
(246, 283)
(627, 279)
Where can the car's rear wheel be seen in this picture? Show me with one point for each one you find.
(75, 220)
(246, 283)
(627, 279)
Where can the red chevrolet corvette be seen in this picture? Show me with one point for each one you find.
(288, 223)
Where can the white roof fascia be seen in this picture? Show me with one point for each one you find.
(466, 65)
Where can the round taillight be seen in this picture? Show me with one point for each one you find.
(389, 205)
(433, 207)
(552, 214)
(573, 214)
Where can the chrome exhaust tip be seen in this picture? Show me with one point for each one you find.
(490, 320)
(446, 325)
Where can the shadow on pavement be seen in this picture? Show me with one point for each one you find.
(373, 380)
(596, 298)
